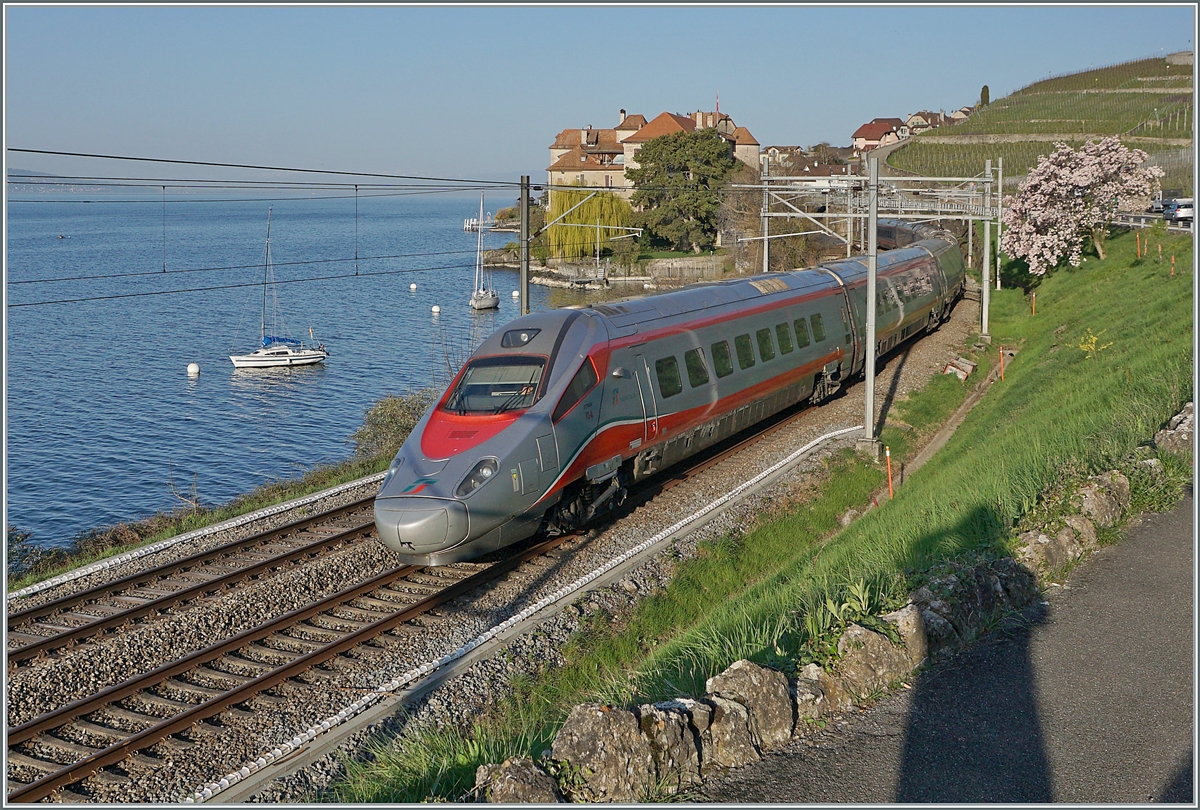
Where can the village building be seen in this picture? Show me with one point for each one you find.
(879, 132)
(599, 157)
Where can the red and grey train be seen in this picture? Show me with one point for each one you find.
(557, 413)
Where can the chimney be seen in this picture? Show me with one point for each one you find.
(622, 121)
(697, 116)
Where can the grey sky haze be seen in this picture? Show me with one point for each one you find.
(481, 91)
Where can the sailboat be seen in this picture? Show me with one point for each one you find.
(484, 296)
(276, 351)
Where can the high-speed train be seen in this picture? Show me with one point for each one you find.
(557, 413)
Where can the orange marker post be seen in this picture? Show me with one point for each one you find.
(1001, 364)
(1138, 237)
(1172, 264)
(1033, 303)
(887, 452)
(1160, 254)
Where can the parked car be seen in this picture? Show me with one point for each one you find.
(1173, 205)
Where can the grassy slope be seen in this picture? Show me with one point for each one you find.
(1058, 413)
(1071, 107)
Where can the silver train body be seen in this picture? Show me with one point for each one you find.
(557, 413)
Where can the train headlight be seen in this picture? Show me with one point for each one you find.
(483, 472)
(392, 470)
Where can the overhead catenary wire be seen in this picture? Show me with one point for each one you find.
(148, 293)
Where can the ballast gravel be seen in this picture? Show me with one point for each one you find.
(173, 770)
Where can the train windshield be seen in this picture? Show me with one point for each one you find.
(496, 385)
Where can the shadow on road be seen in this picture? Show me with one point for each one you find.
(979, 724)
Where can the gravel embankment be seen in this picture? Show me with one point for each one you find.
(458, 702)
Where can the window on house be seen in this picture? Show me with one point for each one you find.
(669, 381)
(784, 336)
(818, 329)
(722, 360)
(696, 368)
(745, 351)
(801, 332)
(766, 349)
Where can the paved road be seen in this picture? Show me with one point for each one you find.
(1089, 701)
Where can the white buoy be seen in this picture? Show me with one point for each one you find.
(412, 286)
(193, 369)
(516, 293)
(436, 308)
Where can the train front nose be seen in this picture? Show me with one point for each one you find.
(421, 525)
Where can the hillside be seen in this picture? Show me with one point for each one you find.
(1148, 103)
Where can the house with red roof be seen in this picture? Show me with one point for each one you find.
(879, 132)
(599, 157)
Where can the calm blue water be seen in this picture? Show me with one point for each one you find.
(101, 414)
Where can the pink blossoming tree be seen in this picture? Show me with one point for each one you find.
(1071, 196)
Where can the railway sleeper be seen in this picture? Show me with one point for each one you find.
(35, 767)
(136, 721)
(317, 633)
(221, 676)
(252, 667)
(160, 703)
(63, 751)
(100, 732)
(384, 605)
(191, 690)
(274, 657)
(298, 645)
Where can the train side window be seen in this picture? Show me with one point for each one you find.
(696, 368)
(583, 381)
(669, 381)
(766, 349)
(801, 333)
(745, 351)
(722, 359)
(784, 335)
(818, 329)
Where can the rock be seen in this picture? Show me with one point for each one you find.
(869, 661)
(517, 781)
(1117, 485)
(673, 743)
(837, 699)
(1098, 503)
(808, 698)
(1085, 533)
(848, 517)
(1174, 441)
(939, 633)
(605, 747)
(730, 743)
(764, 693)
(908, 622)
(1019, 582)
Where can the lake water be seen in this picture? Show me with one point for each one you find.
(102, 417)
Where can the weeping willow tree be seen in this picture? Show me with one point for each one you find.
(566, 239)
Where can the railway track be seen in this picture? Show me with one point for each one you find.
(83, 615)
(106, 736)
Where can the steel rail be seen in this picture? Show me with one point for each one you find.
(146, 578)
(34, 649)
(45, 786)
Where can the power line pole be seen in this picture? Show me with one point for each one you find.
(524, 244)
(766, 164)
(985, 291)
(869, 444)
(999, 214)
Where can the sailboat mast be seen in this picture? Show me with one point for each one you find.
(479, 248)
(266, 270)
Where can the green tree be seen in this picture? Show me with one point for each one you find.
(678, 187)
(566, 239)
(985, 96)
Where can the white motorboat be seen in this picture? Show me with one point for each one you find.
(484, 296)
(276, 351)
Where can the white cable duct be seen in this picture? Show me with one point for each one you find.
(287, 748)
(153, 548)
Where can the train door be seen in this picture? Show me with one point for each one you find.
(649, 404)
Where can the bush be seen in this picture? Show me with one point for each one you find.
(389, 421)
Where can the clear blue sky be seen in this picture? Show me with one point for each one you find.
(480, 92)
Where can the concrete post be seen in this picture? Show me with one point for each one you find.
(869, 444)
(524, 244)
